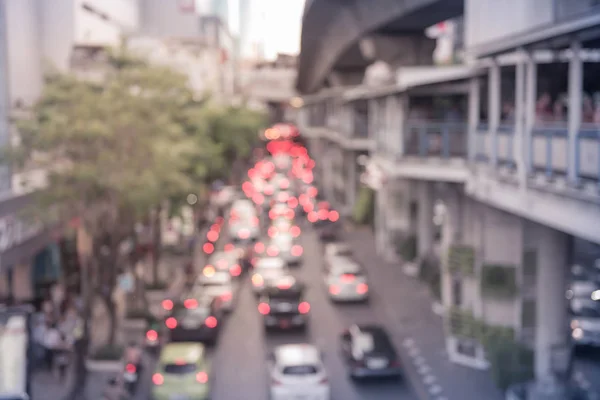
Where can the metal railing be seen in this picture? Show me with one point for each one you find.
(435, 139)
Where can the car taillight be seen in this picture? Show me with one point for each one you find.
(208, 248)
(190, 304)
(255, 221)
(257, 280)
(297, 250)
(334, 289)
(264, 308)
(235, 270)
(272, 231)
(228, 247)
(130, 368)
(259, 247)
(201, 377)
(323, 214)
(210, 322)
(334, 216)
(295, 231)
(158, 379)
(348, 278)
(152, 335)
(167, 304)
(362, 288)
(171, 323)
(226, 296)
(272, 251)
(312, 217)
(303, 307)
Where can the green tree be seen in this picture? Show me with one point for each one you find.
(114, 151)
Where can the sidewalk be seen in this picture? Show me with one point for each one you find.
(407, 311)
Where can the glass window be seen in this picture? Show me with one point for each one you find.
(180, 369)
(300, 370)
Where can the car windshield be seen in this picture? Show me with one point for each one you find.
(180, 369)
(300, 370)
(374, 341)
(197, 312)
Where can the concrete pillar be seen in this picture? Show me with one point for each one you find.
(425, 228)
(530, 100)
(474, 108)
(552, 318)
(520, 113)
(575, 106)
(351, 179)
(380, 226)
(494, 82)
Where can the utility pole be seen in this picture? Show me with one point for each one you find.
(5, 179)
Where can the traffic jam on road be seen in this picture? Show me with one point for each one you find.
(280, 310)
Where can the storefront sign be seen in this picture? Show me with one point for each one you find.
(14, 231)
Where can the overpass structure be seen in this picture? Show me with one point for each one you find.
(506, 141)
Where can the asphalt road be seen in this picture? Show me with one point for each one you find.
(239, 359)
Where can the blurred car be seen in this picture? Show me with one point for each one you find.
(327, 230)
(182, 372)
(244, 224)
(297, 372)
(220, 285)
(369, 352)
(266, 270)
(338, 249)
(584, 310)
(282, 304)
(345, 280)
(195, 318)
(283, 245)
(210, 275)
(228, 261)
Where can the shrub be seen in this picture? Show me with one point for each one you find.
(499, 280)
(510, 362)
(408, 248)
(363, 208)
(461, 259)
(107, 353)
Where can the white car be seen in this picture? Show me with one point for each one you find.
(338, 249)
(266, 270)
(282, 244)
(212, 276)
(297, 372)
(225, 291)
(345, 280)
(226, 261)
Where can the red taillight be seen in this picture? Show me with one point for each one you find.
(312, 216)
(312, 191)
(130, 368)
(362, 288)
(292, 202)
(272, 251)
(259, 247)
(211, 322)
(334, 216)
(213, 236)
(190, 304)
(228, 247)
(226, 296)
(235, 270)
(272, 214)
(171, 323)
(272, 231)
(334, 290)
(158, 379)
(152, 335)
(297, 250)
(255, 221)
(323, 214)
(264, 308)
(290, 214)
(167, 304)
(208, 248)
(202, 377)
(295, 231)
(304, 307)
(348, 278)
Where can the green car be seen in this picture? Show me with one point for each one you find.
(182, 373)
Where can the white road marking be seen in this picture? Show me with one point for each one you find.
(418, 360)
(435, 389)
(423, 369)
(413, 352)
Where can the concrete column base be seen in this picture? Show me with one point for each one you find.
(549, 389)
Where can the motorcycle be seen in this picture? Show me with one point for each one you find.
(131, 377)
(154, 336)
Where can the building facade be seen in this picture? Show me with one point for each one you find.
(507, 144)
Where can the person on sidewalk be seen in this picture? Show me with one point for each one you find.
(52, 342)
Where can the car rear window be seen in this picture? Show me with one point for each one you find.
(300, 370)
(180, 369)
(375, 342)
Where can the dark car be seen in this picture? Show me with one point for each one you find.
(196, 318)
(283, 306)
(368, 352)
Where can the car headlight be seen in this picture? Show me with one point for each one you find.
(577, 333)
(574, 324)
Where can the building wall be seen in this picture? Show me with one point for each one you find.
(485, 20)
(57, 29)
(92, 29)
(162, 19)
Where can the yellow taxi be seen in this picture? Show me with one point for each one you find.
(182, 373)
